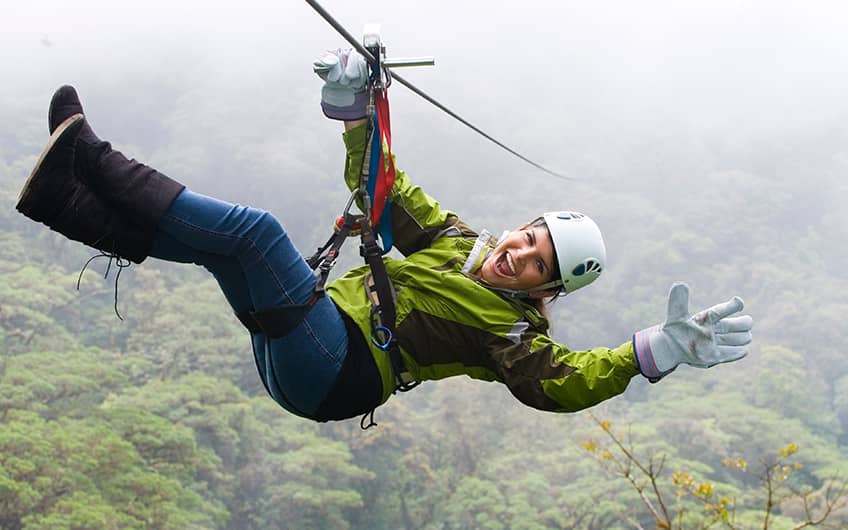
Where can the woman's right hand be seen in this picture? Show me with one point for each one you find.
(345, 74)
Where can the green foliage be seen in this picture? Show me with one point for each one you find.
(49, 466)
(56, 384)
(27, 317)
(81, 511)
(187, 328)
(159, 421)
(475, 503)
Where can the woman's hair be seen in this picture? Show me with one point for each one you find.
(541, 305)
(540, 221)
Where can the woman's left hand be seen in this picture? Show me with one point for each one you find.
(707, 338)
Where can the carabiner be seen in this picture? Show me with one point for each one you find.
(350, 200)
(387, 333)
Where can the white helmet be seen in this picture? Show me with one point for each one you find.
(579, 248)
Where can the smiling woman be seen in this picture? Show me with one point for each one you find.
(539, 261)
(557, 253)
(465, 303)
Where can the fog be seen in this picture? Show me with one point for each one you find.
(589, 88)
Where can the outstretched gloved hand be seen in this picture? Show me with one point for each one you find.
(707, 338)
(345, 73)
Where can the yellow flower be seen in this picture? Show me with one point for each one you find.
(589, 445)
(684, 479)
(605, 425)
(792, 447)
(606, 455)
(737, 463)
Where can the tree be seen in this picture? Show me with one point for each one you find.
(55, 471)
(56, 384)
(735, 511)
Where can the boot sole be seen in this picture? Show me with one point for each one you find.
(50, 143)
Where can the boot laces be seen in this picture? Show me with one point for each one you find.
(120, 264)
(369, 417)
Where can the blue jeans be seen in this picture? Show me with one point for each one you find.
(252, 258)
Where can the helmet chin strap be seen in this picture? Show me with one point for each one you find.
(546, 286)
(517, 294)
(509, 293)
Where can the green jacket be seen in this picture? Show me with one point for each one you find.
(449, 324)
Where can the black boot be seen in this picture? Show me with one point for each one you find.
(54, 196)
(139, 191)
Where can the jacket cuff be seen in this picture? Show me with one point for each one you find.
(645, 356)
(354, 111)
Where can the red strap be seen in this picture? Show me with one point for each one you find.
(386, 164)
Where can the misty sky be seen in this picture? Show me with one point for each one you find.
(571, 68)
(624, 96)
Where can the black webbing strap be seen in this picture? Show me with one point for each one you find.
(276, 321)
(385, 308)
(325, 262)
(373, 255)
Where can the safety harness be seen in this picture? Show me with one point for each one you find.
(373, 193)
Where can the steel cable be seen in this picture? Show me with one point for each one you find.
(371, 59)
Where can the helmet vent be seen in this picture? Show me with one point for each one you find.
(588, 266)
(570, 215)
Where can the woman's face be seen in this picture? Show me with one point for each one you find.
(525, 259)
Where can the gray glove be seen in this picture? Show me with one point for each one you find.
(345, 74)
(704, 339)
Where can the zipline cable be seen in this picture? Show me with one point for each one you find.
(371, 59)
